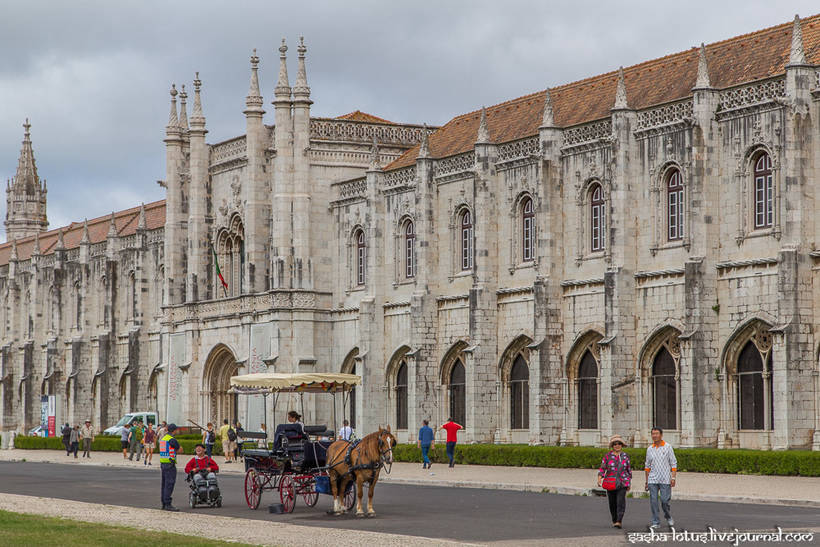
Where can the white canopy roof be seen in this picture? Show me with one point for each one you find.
(303, 382)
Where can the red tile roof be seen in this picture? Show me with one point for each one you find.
(359, 116)
(746, 58)
(126, 222)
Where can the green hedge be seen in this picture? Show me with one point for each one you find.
(703, 460)
(100, 444)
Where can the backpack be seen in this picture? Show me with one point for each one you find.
(209, 438)
(231, 435)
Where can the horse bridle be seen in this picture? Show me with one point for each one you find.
(384, 462)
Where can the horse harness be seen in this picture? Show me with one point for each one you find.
(373, 466)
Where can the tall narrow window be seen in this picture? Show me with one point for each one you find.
(409, 250)
(597, 218)
(458, 394)
(132, 290)
(664, 388)
(361, 258)
(588, 392)
(352, 398)
(527, 230)
(764, 192)
(751, 387)
(466, 241)
(401, 396)
(675, 205)
(520, 394)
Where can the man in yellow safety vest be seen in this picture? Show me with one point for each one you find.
(168, 450)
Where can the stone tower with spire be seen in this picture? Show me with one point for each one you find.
(25, 195)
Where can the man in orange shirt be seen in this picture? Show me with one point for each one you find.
(452, 438)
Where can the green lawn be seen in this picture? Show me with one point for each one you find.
(17, 529)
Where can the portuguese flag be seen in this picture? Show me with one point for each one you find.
(219, 272)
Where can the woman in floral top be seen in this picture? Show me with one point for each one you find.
(615, 463)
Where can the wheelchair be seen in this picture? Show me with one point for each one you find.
(204, 490)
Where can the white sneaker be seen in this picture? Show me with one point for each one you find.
(654, 527)
(670, 521)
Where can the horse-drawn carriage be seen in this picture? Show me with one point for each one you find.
(295, 463)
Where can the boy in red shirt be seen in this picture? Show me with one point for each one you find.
(452, 438)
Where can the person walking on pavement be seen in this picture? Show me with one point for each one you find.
(87, 436)
(74, 440)
(346, 432)
(134, 441)
(209, 439)
(66, 431)
(226, 443)
(661, 472)
(615, 475)
(452, 438)
(125, 434)
(168, 450)
(162, 430)
(426, 441)
(149, 439)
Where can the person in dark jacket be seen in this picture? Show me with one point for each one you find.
(74, 440)
(66, 431)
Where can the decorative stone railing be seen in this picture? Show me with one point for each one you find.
(156, 236)
(454, 164)
(229, 150)
(522, 148)
(665, 114)
(400, 177)
(46, 261)
(350, 131)
(246, 304)
(72, 255)
(98, 249)
(590, 132)
(752, 94)
(349, 189)
(128, 242)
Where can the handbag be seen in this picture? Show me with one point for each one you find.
(610, 482)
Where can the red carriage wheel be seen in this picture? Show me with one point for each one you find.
(253, 488)
(350, 495)
(307, 487)
(287, 493)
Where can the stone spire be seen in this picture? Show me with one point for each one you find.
(60, 242)
(301, 88)
(375, 157)
(483, 132)
(798, 54)
(253, 102)
(548, 119)
(173, 120)
(197, 118)
(424, 146)
(36, 250)
(86, 238)
(282, 85)
(26, 177)
(703, 81)
(25, 195)
(183, 113)
(141, 224)
(112, 226)
(620, 92)
(13, 255)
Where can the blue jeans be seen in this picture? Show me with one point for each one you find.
(425, 449)
(209, 449)
(451, 452)
(169, 478)
(665, 493)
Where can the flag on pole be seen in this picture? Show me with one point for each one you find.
(219, 272)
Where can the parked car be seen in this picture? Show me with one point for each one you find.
(143, 417)
(39, 431)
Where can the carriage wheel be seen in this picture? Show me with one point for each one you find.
(307, 487)
(287, 495)
(350, 495)
(253, 488)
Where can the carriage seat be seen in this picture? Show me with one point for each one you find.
(292, 432)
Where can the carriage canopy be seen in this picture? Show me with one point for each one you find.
(275, 382)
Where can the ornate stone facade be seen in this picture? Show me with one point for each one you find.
(594, 259)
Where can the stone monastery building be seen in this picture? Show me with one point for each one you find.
(640, 247)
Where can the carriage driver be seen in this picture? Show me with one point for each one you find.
(199, 462)
(168, 449)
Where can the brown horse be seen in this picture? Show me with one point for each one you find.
(361, 462)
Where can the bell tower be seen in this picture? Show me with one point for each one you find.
(25, 196)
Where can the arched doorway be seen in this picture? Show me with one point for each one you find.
(220, 366)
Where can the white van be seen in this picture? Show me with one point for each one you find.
(144, 417)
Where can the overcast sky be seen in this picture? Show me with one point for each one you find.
(93, 77)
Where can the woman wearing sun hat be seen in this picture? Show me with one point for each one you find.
(615, 475)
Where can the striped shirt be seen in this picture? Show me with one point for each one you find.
(660, 462)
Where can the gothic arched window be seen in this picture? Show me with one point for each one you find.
(458, 393)
(664, 390)
(527, 230)
(231, 256)
(401, 396)
(466, 241)
(752, 384)
(764, 192)
(675, 206)
(361, 257)
(409, 250)
(588, 392)
(597, 218)
(520, 394)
